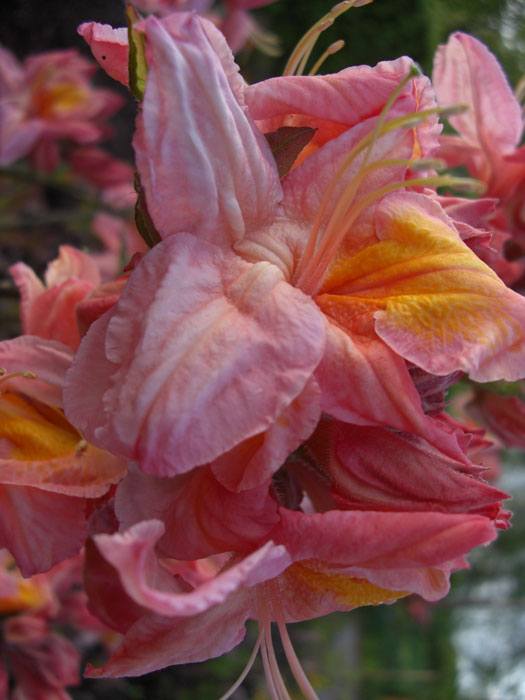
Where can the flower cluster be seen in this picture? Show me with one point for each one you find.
(248, 422)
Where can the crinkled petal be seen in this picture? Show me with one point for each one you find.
(188, 93)
(377, 468)
(202, 351)
(434, 302)
(254, 461)
(155, 642)
(357, 538)
(149, 585)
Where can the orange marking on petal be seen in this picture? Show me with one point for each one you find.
(28, 596)
(34, 431)
(30, 593)
(421, 272)
(58, 100)
(348, 590)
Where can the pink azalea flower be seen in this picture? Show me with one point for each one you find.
(178, 612)
(41, 661)
(489, 133)
(45, 100)
(49, 476)
(310, 543)
(502, 414)
(113, 177)
(49, 310)
(270, 300)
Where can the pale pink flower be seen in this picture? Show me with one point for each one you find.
(489, 132)
(268, 301)
(48, 309)
(48, 99)
(49, 475)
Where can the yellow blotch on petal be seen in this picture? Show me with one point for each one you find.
(347, 590)
(433, 288)
(417, 255)
(31, 431)
(29, 595)
(58, 100)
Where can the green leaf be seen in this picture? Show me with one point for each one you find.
(137, 66)
(286, 143)
(143, 220)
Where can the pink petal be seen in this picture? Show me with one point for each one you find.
(447, 311)
(374, 468)
(51, 313)
(108, 600)
(357, 539)
(306, 186)
(149, 585)
(237, 27)
(365, 383)
(333, 103)
(71, 263)
(155, 641)
(254, 461)
(465, 72)
(109, 47)
(43, 667)
(216, 520)
(40, 528)
(246, 339)
(48, 359)
(89, 472)
(215, 199)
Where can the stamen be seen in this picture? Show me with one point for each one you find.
(295, 665)
(300, 55)
(266, 42)
(520, 90)
(246, 670)
(335, 231)
(323, 261)
(367, 142)
(277, 676)
(270, 681)
(333, 48)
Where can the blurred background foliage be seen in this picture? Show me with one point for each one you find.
(469, 647)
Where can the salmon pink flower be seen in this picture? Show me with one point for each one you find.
(47, 99)
(179, 612)
(49, 311)
(49, 475)
(502, 413)
(489, 133)
(310, 543)
(270, 300)
(38, 659)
